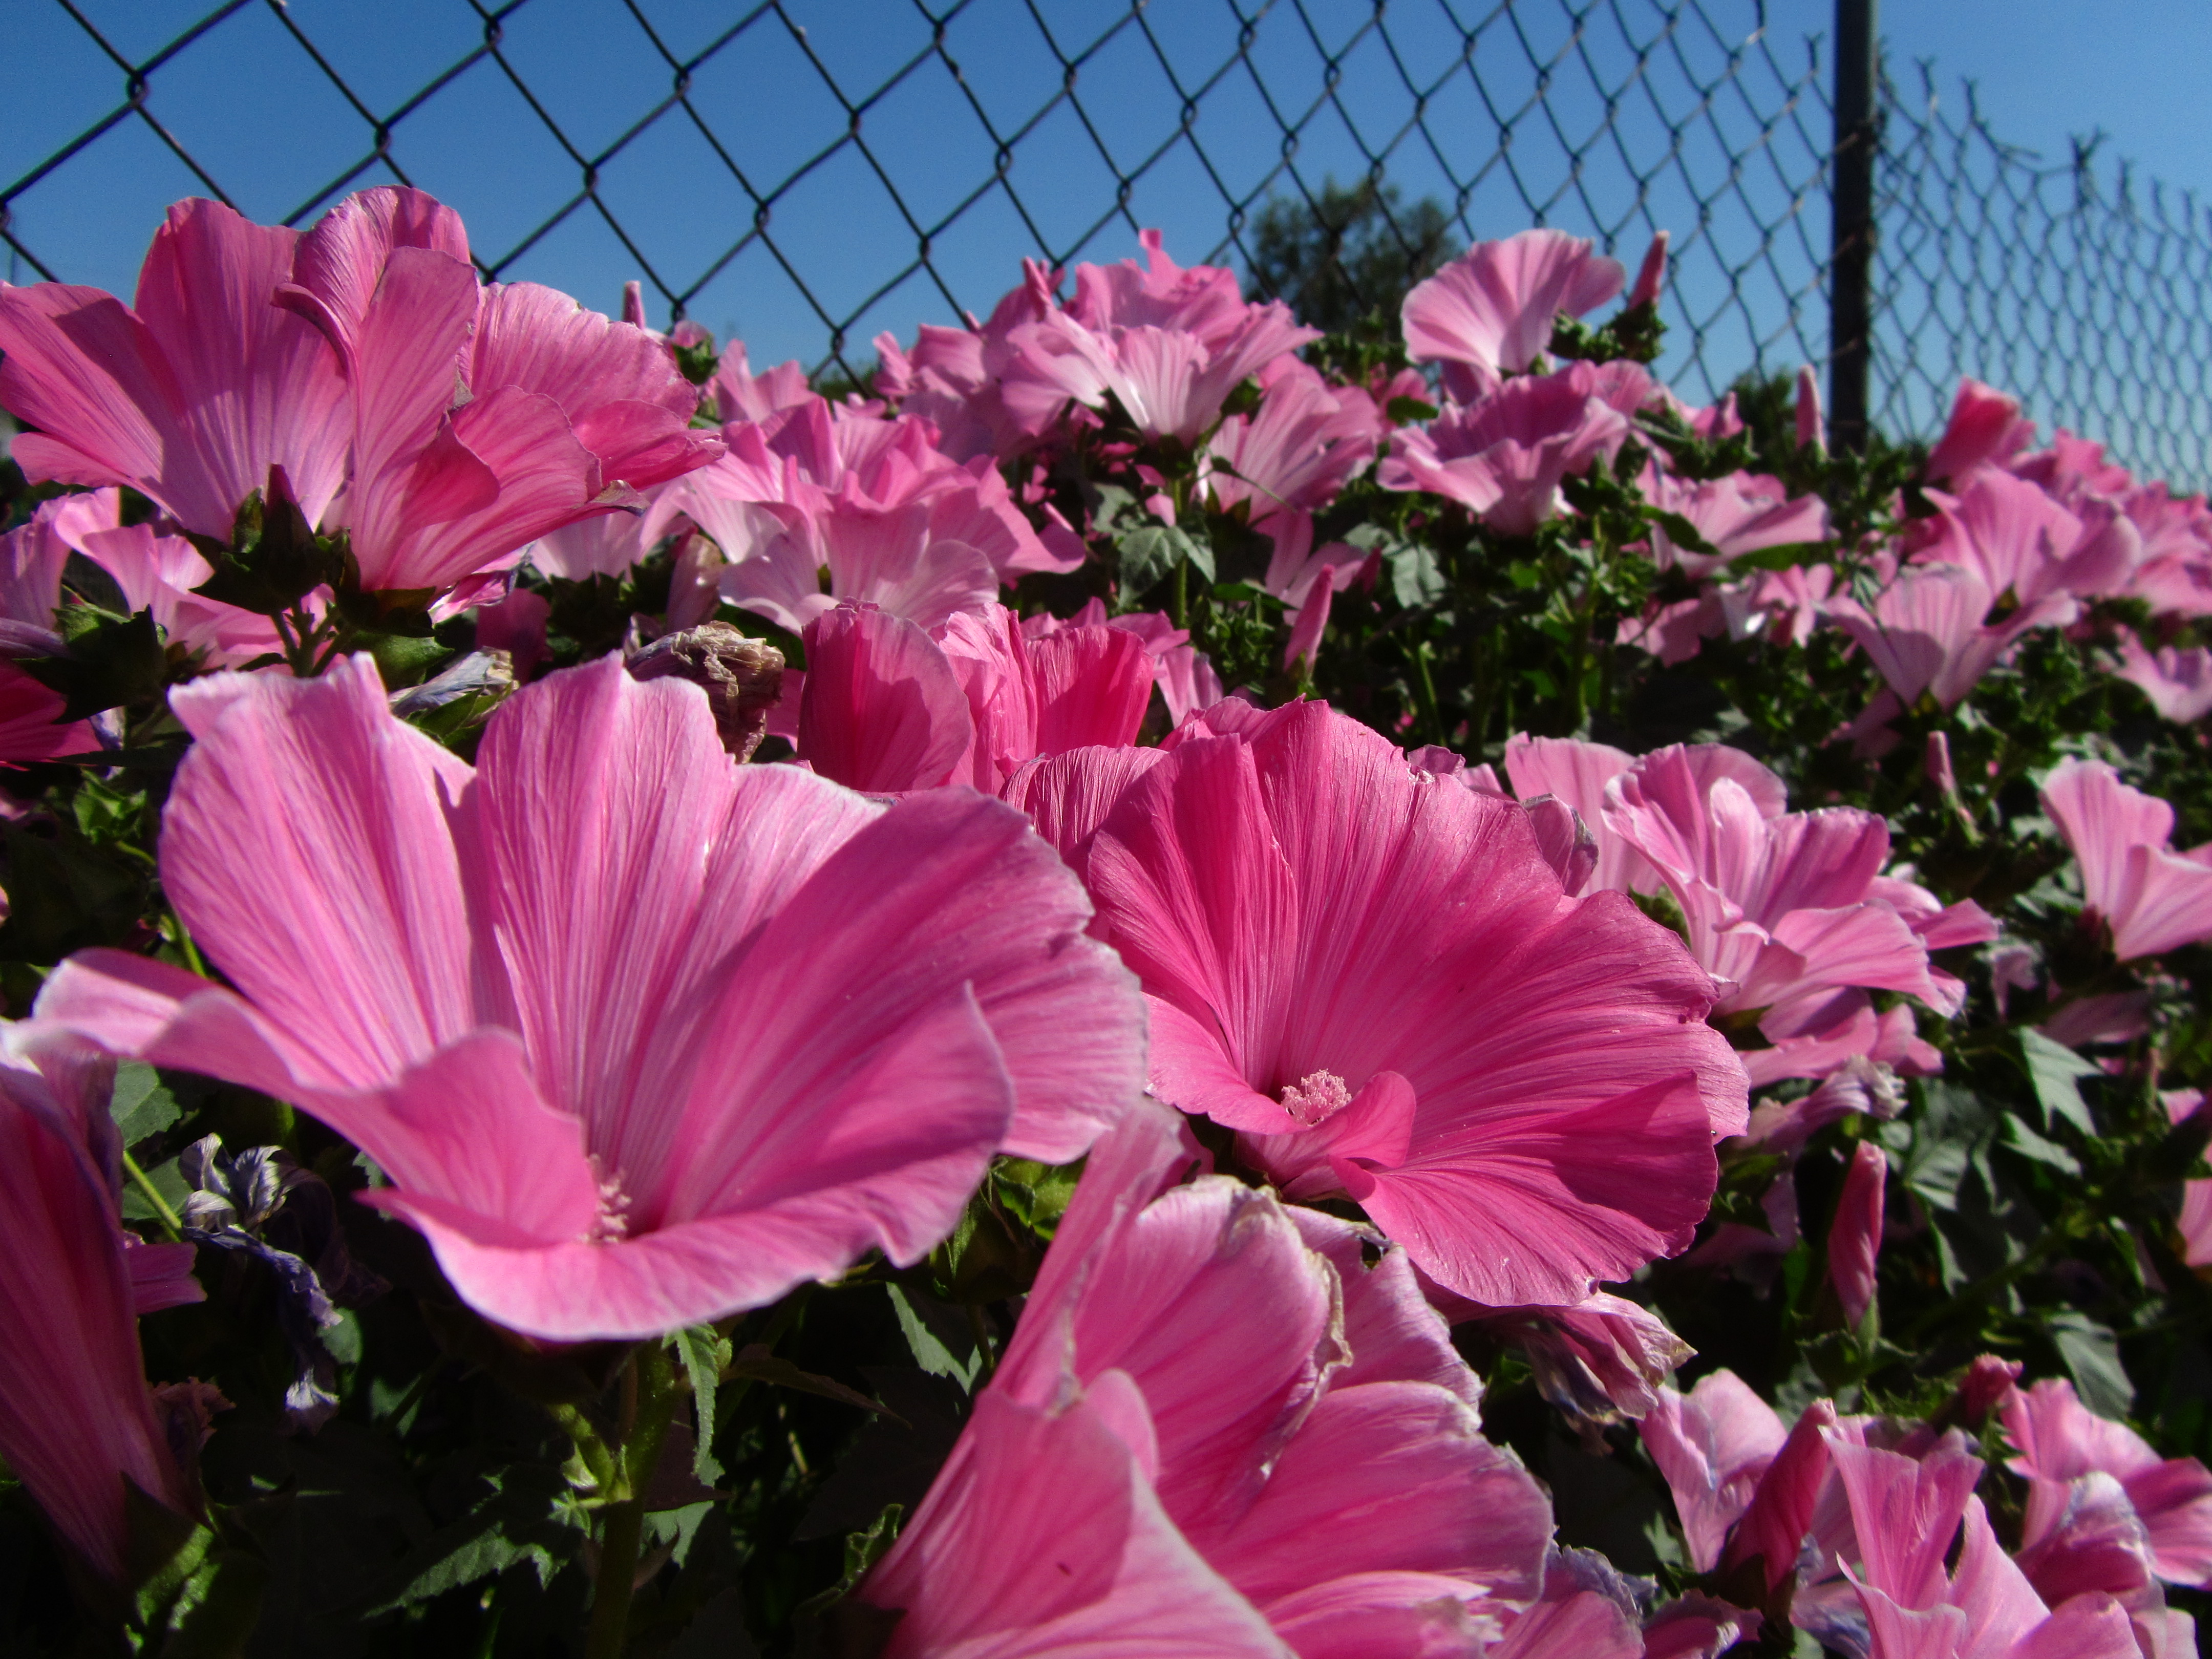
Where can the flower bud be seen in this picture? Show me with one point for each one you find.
(743, 678)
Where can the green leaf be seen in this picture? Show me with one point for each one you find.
(2054, 1070)
(1679, 530)
(114, 660)
(931, 1353)
(2091, 1355)
(1404, 410)
(526, 1517)
(2017, 1136)
(1414, 578)
(756, 1361)
(705, 1351)
(142, 1104)
(167, 1180)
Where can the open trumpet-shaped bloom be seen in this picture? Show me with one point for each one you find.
(1505, 457)
(1375, 975)
(641, 1038)
(1278, 1434)
(2153, 898)
(2057, 1440)
(1490, 312)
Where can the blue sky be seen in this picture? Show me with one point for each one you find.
(272, 129)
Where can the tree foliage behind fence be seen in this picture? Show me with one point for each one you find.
(884, 164)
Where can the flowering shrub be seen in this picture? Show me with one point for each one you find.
(1160, 985)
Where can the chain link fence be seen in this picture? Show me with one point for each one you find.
(815, 173)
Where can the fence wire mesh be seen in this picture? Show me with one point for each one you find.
(825, 171)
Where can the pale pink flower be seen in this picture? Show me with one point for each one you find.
(1298, 450)
(1926, 635)
(1906, 1515)
(30, 560)
(191, 395)
(2072, 468)
(1576, 772)
(1373, 974)
(605, 544)
(741, 395)
(1505, 457)
(2178, 683)
(2055, 1439)
(1743, 513)
(1855, 1235)
(484, 417)
(2196, 1223)
(1712, 1444)
(77, 1419)
(1985, 428)
(951, 380)
(1284, 1398)
(2153, 898)
(1602, 1359)
(533, 992)
(2020, 542)
(1587, 1611)
(1489, 312)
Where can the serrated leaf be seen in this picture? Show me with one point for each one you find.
(762, 1366)
(142, 1104)
(931, 1353)
(2019, 1137)
(2091, 1356)
(526, 1517)
(2054, 1071)
(705, 1352)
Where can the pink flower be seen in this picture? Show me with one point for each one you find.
(1306, 440)
(1811, 429)
(1855, 1235)
(2178, 682)
(1490, 312)
(1712, 1444)
(193, 395)
(1926, 633)
(2056, 1439)
(889, 707)
(1789, 910)
(30, 560)
(1505, 457)
(1373, 974)
(1743, 513)
(952, 378)
(534, 991)
(1651, 275)
(2020, 541)
(1287, 1410)
(77, 1419)
(1577, 773)
(1906, 1515)
(741, 395)
(1602, 1359)
(1985, 428)
(2153, 898)
(482, 418)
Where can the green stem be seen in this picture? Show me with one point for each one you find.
(982, 1334)
(170, 1224)
(1424, 690)
(192, 951)
(625, 1532)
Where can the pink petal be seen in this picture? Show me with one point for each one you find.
(1855, 1236)
(1068, 796)
(1712, 1446)
(1905, 1514)
(1780, 1513)
(1394, 1334)
(882, 709)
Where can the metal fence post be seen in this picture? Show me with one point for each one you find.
(1851, 261)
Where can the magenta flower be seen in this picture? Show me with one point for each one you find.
(1855, 1235)
(190, 396)
(482, 418)
(2021, 543)
(1287, 1410)
(1985, 428)
(1504, 459)
(641, 1037)
(1490, 312)
(951, 380)
(2153, 898)
(2057, 1440)
(1374, 975)
(1926, 635)
(1743, 513)
(77, 1419)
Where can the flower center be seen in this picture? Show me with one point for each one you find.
(612, 1224)
(1316, 1097)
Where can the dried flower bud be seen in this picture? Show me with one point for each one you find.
(742, 677)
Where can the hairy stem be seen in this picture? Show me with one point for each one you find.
(657, 1394)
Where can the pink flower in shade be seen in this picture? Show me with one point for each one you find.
(605, 544)
(30, 560)
(191, 395)
(1373, 974)
(1926, 635)
(1855, 1235)
(888, 707)
(533, 991)
(1743, 513)
(1789, 910)
(2056, 1440)
(1713, 1445)
(1504, 457)
(1985, 428)
(2153, 898)
(1490, 312)
(77, 1419)
(2178, 683)
(1282, 1396)
(2196, 1223)
(1906, 1515)
(1603, 1359)
(482, 418)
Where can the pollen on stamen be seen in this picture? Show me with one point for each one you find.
(1316, 1097)
(612, 1222)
